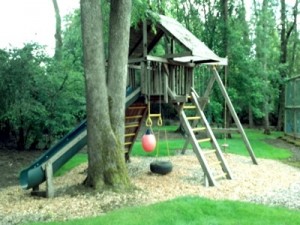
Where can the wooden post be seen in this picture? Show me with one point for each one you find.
(208, 90)
(166, 83)
(144, 74)
(234, 115)
(49, 180)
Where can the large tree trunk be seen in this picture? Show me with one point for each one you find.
(105, 110)
(58, 38)
(120, 12)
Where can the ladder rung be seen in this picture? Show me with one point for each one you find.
(189, 107)
(130, 135)
(133, 117)
(222, 175)
(193, 117)
(132, 125)
(199, 128)
(204, 140)
(137, 107)
(215, 163)
(209, 151)
(127, 143)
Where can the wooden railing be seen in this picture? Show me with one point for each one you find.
(158, 77)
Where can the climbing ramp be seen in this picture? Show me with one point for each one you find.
(199, 132)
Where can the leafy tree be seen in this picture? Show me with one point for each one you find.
(41, 99)
(22, 109)
(267, 53)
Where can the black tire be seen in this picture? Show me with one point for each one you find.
(161, 167)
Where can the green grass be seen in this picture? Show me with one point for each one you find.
(72, 163)
(259, 144)
(194, 210)
(236, 145)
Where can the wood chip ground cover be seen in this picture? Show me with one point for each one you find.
(271, 182)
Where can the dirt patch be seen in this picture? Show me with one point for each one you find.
(12, 162)
(294, 160)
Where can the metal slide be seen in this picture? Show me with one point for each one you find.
(75, 140)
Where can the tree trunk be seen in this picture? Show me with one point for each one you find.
(117, 79)
(105, 109)
(58, 38)
(267, 129)
(250, 116)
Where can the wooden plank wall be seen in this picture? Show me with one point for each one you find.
(156, 77)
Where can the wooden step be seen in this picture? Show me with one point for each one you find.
(130, 135)
(189, 107)
(132, 125)
(194, 117)
(215, 163)
(136, 107)
(127, 143)
(209, 152)
(133, 117)
(204, 140)
(199, 129)
(222, 175)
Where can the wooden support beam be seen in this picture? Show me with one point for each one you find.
(234, 115)
(175, 55)
(166, 83)
(49, 180)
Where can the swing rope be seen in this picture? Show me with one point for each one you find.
(225, 144)
(160, 121)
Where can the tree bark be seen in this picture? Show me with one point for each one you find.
(105, 94)
(267, 129)
(117, 79)
(58, 38)
(250, 116)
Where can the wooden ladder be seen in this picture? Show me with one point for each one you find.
(212, 161)
(133, 120)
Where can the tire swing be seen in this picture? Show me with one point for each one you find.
(162, 167)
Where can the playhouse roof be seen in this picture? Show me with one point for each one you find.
(196, 50)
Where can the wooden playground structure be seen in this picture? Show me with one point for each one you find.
(160, 78)
(169, 78)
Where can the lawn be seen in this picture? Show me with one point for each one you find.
(261, 148)
(236, 145)
(194, 210)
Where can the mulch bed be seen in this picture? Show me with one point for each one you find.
(271, 182)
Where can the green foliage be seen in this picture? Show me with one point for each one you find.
(41, 98)
(195, 210)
